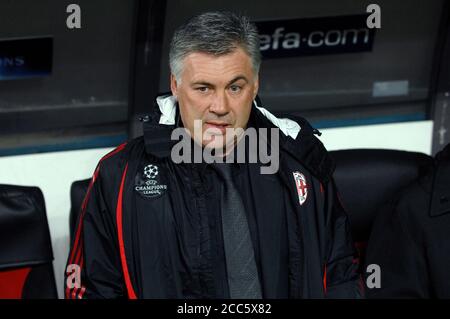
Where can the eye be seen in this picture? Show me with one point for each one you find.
(202, 89)
(235, 88)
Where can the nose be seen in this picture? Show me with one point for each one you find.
(219, 104)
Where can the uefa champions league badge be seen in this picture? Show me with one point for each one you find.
(148, 182)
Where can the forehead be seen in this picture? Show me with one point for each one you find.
(200, 66)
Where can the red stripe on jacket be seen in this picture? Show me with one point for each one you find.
(130, 290)
(77, 249)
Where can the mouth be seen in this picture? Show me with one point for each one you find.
(221, 126)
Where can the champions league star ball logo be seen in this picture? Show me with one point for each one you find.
(151, 171)
(149, 182)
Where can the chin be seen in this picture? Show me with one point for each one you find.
(213, 145)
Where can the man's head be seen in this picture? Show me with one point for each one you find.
(214, 62)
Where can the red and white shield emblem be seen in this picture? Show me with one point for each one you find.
(302, 188)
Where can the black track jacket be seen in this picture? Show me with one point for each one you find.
(144, 232)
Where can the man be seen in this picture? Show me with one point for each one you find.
(153, 226)
(410, 239)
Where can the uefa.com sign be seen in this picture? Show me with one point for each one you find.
(312, 36)
(235, 145)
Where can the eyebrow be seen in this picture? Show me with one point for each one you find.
(237, 78)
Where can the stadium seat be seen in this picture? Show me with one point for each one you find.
(367, 178)
(77, 193)
(26, 269)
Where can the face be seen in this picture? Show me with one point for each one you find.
(218, 92)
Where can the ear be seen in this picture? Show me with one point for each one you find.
(173, 85)
(256, 87)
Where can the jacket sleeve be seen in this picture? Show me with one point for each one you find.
(341, 277)
(93, 268)
(395, 248)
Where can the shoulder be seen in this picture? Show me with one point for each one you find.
(298, 142)
(113, 163)
(308, 150)
(411, 206)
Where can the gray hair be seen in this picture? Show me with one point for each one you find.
(216, 33)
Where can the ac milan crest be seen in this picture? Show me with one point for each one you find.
(302, 188)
